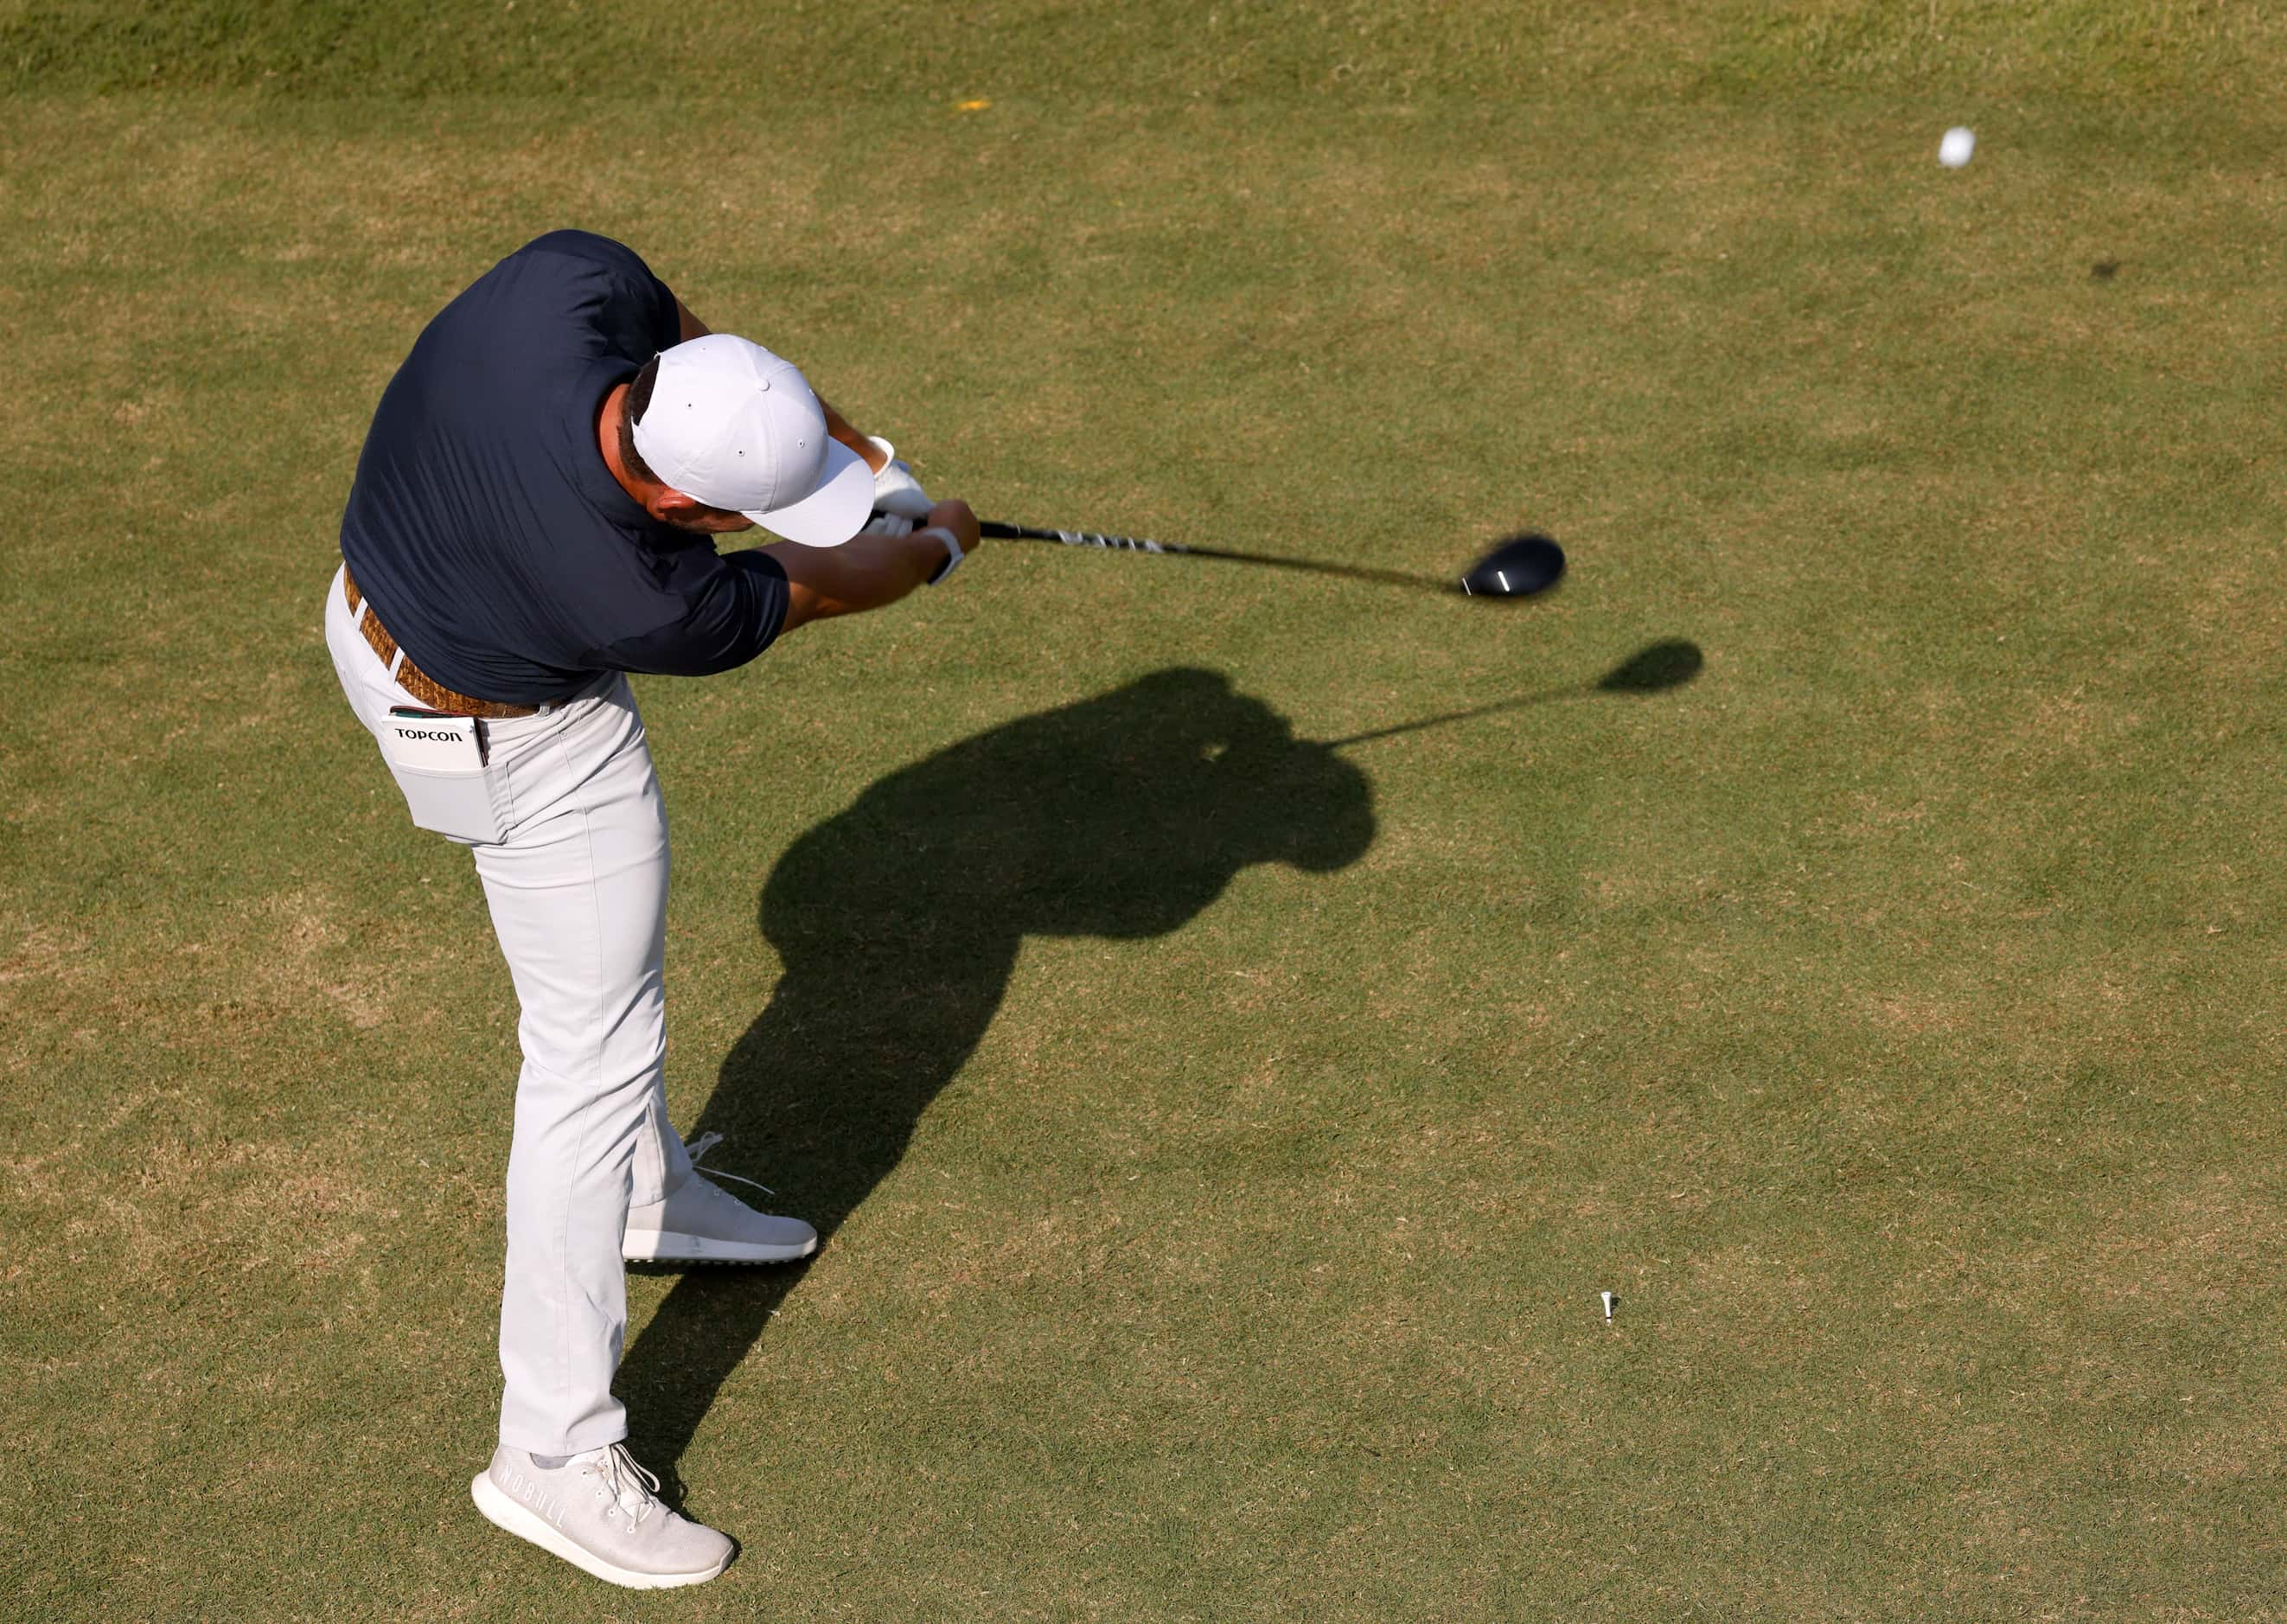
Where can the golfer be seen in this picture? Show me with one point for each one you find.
(533, 517)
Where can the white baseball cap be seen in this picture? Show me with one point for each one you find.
(738, 428)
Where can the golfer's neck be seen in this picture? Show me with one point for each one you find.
(607, 442)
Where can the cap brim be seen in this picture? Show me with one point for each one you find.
(836, 511)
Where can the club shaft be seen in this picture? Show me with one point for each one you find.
(996, 529)
(1000, 530)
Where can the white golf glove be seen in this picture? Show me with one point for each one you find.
(887, 524)
(895, 488)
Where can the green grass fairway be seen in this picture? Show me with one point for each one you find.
(1224, 1139)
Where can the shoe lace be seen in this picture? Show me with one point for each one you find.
(624, 1479)
(698, 1149)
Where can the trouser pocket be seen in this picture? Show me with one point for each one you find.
(450, 787)
(462, 804)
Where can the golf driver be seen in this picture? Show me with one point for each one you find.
(1518, 567)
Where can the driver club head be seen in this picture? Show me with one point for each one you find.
(1518, 567)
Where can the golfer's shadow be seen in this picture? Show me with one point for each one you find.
(899, 922)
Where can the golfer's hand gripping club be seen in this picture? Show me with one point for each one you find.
(872, 569)
(895, 491)
(954, 528)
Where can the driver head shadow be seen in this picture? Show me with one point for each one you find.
(897, 922)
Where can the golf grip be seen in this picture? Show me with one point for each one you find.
(999, 531)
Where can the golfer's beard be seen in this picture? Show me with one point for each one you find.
(721, 525)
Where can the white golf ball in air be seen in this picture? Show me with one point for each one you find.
(1954, 151)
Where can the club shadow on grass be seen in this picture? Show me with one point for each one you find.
(899, 922)
(1656, 668)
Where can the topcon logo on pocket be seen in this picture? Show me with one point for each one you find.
(442, 744)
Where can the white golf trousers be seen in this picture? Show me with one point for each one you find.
(577, 884)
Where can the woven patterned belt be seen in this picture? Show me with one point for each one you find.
(411, 677)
